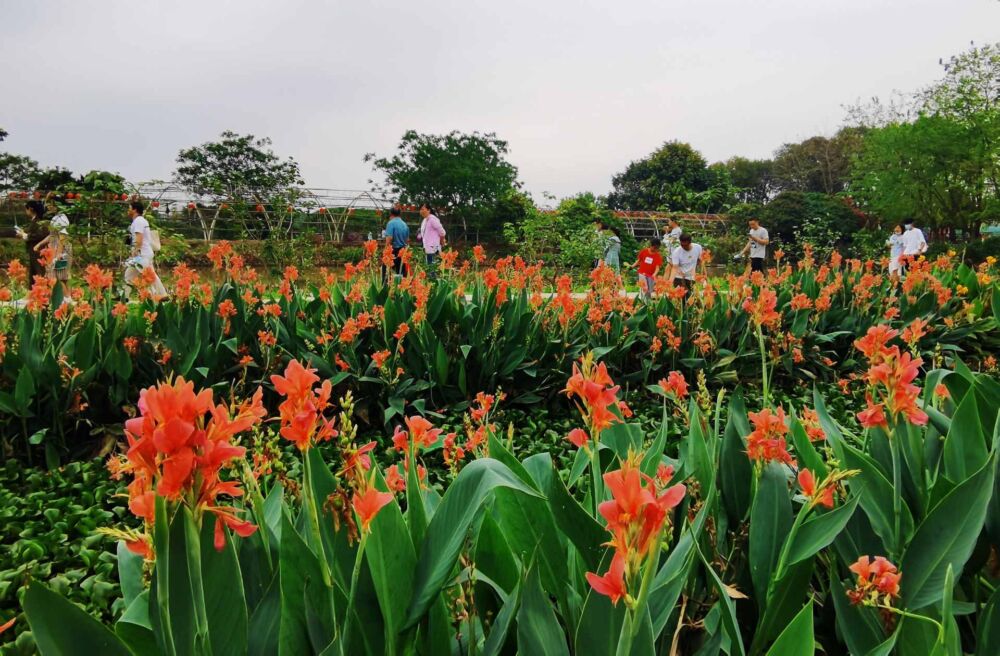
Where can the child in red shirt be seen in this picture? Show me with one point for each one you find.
(648, 267)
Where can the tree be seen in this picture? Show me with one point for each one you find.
(3, 134)
(940, 162)
(241, 171)
(458, 173)
(931, 170)
(669, 179)
(753, 179)
(795, 217)
(17, 172)
(818, 164)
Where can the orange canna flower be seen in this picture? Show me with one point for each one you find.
(612, 584)
(367, 505)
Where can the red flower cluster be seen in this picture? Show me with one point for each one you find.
(823, 496)
(890, 377)
(177, 447)
(767, 441)
(674, 385)
(878, 581)
(593, 386)
(302, 419)
(762, 309)
(636, 516)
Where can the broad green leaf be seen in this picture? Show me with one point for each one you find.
(965, 445)
(303, 592)
(875, 492)
(62, 629)
(391, 559)
(501, 626)
(861, 629)
(24, 390)
(817, 532)
(770, 521)
(988, 635)
(736, 471)
(728, 612)
(538, 629)
(452, 519)
(797, 639)
(129, 573)
(946, 537)
(135, 629)
(586, 534)
(225, 603)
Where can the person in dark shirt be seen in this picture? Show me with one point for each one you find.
(33, 233)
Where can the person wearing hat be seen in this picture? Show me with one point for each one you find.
(685, 261)
(58, 240)
(914, 243)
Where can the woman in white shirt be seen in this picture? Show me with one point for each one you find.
(895, 244)
(142, 253)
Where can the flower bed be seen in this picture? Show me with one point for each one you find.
(819, 466)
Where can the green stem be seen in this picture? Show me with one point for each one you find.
(313, 511)
(763, 367)
(635, 615)
(345, 640)
(917, 616)
(595, 472)
(780, 569)
(897, 495)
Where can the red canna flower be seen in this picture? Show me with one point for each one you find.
(674, 385)
(807, 481)
(301, 413)
(578, 437)
(7, 625)
(612, 584)
(767, 441)
(878, 582)
(368, 503)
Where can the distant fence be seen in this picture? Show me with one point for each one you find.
(335, 215)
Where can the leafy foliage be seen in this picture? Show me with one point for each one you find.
(465, 174)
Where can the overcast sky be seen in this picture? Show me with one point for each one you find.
(578, 88)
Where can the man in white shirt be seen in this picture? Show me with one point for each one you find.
(142, 253)
(914, 243)
(685, 261)
(756, 245)
(672, 235)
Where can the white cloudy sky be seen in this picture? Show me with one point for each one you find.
(579, 88)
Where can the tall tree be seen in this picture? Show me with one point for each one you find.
(670, 178)
(242, 171)
(818, 164)
(940, 162)
(462, 174)
(753, 179)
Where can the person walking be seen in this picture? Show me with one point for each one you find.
(397, 233)
(648, 266)
(914, 244)
(612, 250)
(756, 245)
(685, 261)
(431, 235)
(672, 235)
(58, 240)
(895, 244)
(33, 233)
(142, 253)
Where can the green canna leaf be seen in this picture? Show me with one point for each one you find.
(770, 521)
(538, 629)
(797, 638)
(447, 529)
(946, 538)
(62, 629)
(817, 532)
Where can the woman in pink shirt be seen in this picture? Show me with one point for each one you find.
(431, 234)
